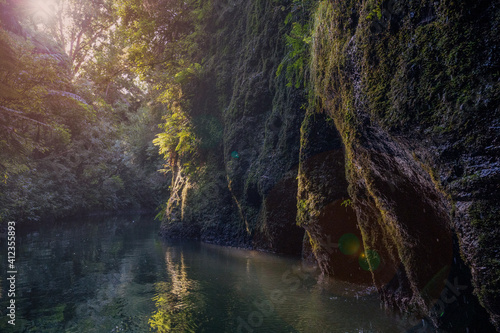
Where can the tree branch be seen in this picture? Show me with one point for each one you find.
(20, 114)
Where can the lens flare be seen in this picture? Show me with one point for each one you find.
(369, 260)
(349, 244)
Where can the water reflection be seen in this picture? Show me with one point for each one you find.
(175, 300)
(116, 275)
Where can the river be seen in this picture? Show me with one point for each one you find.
(115, 274)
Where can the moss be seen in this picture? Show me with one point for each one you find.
(315, 245)
(485, 217)
(421, 79)
(435, 65)
(302, 212)
(400, 95)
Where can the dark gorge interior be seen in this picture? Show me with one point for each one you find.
(362, 135)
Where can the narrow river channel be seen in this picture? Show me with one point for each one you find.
(116, 274)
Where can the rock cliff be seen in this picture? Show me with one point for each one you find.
(384, 168)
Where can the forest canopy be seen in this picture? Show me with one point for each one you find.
(96, 98)
(80, 106)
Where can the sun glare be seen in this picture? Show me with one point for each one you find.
(43, 9)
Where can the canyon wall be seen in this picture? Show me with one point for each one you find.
(383, 167)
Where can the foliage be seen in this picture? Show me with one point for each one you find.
(295, 63)
(75, 130)
(151, 27)
(78, 26)
(177, 138)
(39, 108)
(346, 203)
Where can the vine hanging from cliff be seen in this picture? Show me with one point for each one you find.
(295, 63)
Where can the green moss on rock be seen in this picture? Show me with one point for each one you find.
(413, 88)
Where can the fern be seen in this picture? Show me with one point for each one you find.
(295, 63)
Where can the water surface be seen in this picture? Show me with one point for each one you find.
(116, 275)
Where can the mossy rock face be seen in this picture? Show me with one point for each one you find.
(322, 196)
(413, 88)
(404, 156)
(244, 190)
(277, 229)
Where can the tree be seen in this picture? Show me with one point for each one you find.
(38, 104)
(77, 26)
(71, 113)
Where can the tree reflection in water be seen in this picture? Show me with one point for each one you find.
(175, 300)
